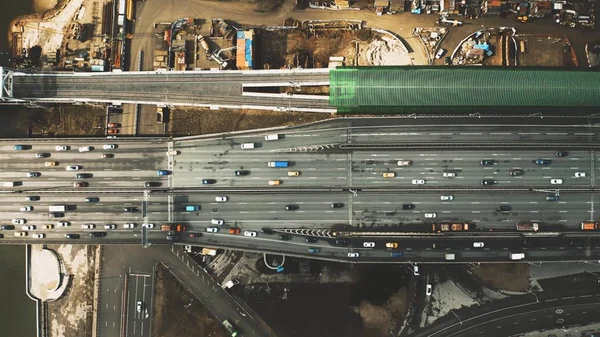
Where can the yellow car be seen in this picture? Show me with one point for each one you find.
(389, 175)
(274, 182)
(391, 245)
(51, 163)
(293, 173)
(49, 226)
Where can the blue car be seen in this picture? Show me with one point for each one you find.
(396, 254)
(208, 181)
(543, 161)
(163, 172)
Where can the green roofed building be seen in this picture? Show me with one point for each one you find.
(413, 89)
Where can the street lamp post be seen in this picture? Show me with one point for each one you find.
(459, 320)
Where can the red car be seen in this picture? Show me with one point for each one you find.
(234, 230)
(195, 235)
(114, 125)
(180, 228)
(112, 131)
(80, 184)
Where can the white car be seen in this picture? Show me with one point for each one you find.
(39, 236)
(446, 197)
(148, 225)
(85, 149)
(26, 209)
(172, 153)
(368, 244)
(556, 181)
(109, 146)
(61, 148)
(478, 244)
(217, 222)
(449, 174)
(404, 162)
(221, 199)
(110, 226)
(28, 228)
(353, 254)
(129, 225)
(88, 226)
(63, 223)
(428, 290)
(212, 229)
(418, 182)
(440, 53)
(139, 306)
(18, 221)
(74, 168)
(579, 174)
(416, 270)
(430, 215)
(250, 233)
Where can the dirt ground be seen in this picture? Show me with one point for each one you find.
(190, 121)
(515, 276)
(170, 320)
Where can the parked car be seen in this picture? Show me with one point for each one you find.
(440, 53)
(428, 290)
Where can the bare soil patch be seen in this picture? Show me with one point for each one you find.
(504, 276)
(66, 120)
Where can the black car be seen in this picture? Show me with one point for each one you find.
(515, 172)
(242, 172)
(42, 155)
(504, 208)
(83, 175)
(97, 234)
(56, 214)
(408, 206)
(285, 237)
(291, 207)
(130, 209)
(489, 182)
(152, 184)
(72, 236)
(337, 205)
(488, 162)
(32, 198)
(562, 154)
(172, 237)
(266, 230)
(7, 227)
(310, 240)
(208, 181)
(92, 199)
(342, 242)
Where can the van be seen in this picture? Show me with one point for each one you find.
(247, 146)
(272, 137)
(191, 208)
(18, 147)
(517, 256)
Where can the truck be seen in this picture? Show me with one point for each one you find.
(444, 227)
(57, 208)
(10, 183)
(209, 251)
(166, 227)
(589, 226)
(528, 227)
(230, 328)
(460, 226)
(278, 164)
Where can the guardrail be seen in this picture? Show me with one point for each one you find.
(471, 145)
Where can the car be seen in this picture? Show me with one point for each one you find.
(291, 207)
(353, 254)
(39, 236)
(208, 181)
(418, 181)
(20, 233)
(446, 197)
(250, 233)
(266, 230)
(56, 215)
(172, 153)
(7, 227)
(148, 225)
(552, 198)
(504, 208)
(449, 175)
(62, 148)
(33, 174)
(50, 163)
(396, 254)
(74, 168)
(180, 228)
(112, 131)
(72, 236)
(293, 173)
(97, 234)
(195, 235)
(130, 209)
(114, 125)
(310, 240)
(337, 205)
(109, 146)
(440, 53)
(80, 184)
(110, 226)
(88, 226)
(274, 182)
(85, 149)
(428, 290)
(107, 155)
(152, 184)
(561, 154)
(242, 173)
(416, 270)
(83, 176)
(221, 198)
(314, 250)
(212, 229)
(32, 198)
(489, 182)
(42, 155)
(430, 215)
(92, 199)
(515, 172)
(19, 221)
(28, 227)
(129, 225)
(404, 162)
(233, 230)
(63, 223)
(488, 162)
(478, 244)
(579, 174)
(389, 174)
(139, 306)
(408, 206)
(163, 172)
(26, 209)
(342, 242)
(217, 222)
(285, 237)
(542, 161)
(448, 60)
(391, 245)
(368, 244)
(556, 181)
(48, 226)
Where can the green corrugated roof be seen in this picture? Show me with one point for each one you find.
(411, 86)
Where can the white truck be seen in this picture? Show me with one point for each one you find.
(57, 208)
